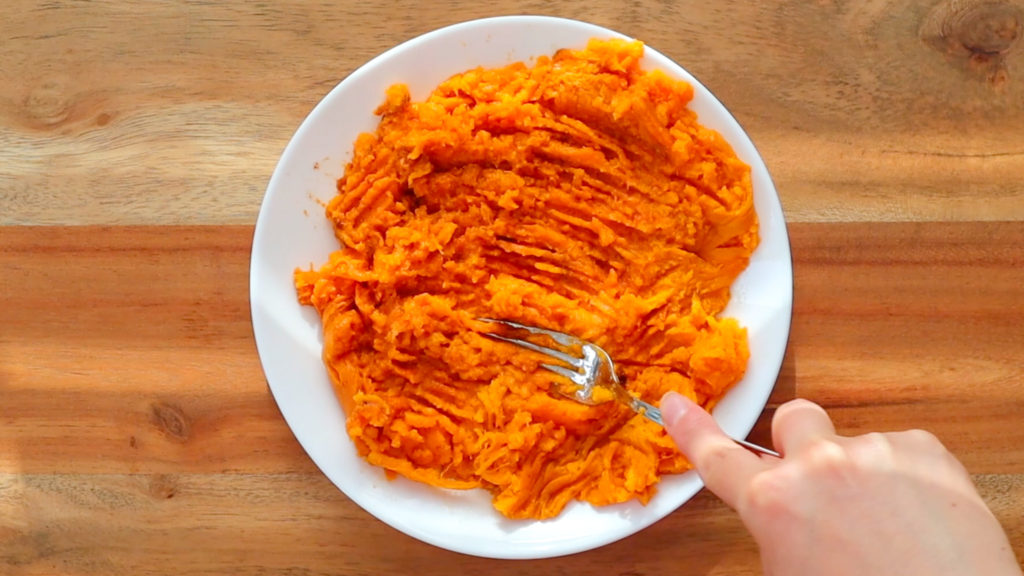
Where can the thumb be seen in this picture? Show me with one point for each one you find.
(724, 465)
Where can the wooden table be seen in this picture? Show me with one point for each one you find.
(137, 433)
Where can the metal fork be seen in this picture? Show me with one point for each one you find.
(591, 371)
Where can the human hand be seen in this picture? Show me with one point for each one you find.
(880, 504)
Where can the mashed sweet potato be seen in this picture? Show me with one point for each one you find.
(579, 194)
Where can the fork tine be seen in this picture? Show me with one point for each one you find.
(560, 337)
(557, 354)
(573, 376)
(585, 379)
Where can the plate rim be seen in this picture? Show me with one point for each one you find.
(540, 549)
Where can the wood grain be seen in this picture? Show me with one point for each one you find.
(294, 524)
(123, 349)
(198, 525)
(175, 112)
(138, 436)
(137, 433)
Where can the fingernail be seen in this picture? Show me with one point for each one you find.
(673, 407)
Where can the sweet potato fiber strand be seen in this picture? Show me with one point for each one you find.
(578, 194)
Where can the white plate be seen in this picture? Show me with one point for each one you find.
(291, 232)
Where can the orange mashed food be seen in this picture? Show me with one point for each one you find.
(578, 194)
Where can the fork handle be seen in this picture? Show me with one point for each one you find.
(654, 415)
(647, 410)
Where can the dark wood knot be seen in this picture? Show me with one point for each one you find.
(994, 28)
(163, 486)
(171, 420)
(979, 32)
(48, 103)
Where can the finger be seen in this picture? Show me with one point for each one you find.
(798, 424)
(725, 467)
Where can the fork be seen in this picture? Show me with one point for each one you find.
(592, 371)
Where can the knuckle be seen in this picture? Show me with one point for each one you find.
(783, 412)
(871, 450)
(826, 454)
(770, 493)
(798, 417)
(876, 443)
(924, 439)
(713, 457)
(797, 405)
(928, 445)
(719, 463)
